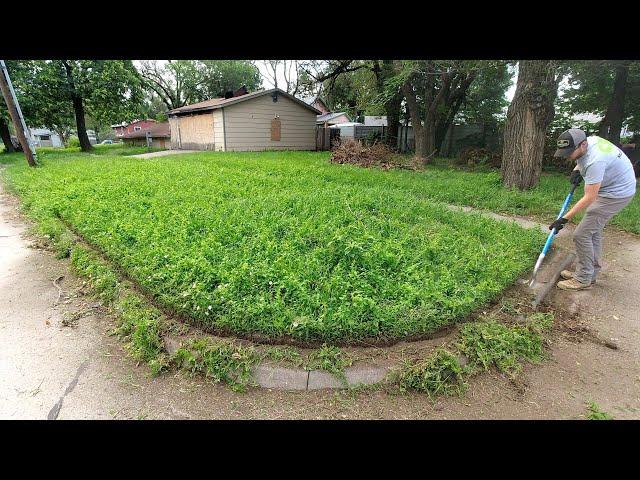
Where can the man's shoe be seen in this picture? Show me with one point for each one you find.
(573, 284)
(568, 275)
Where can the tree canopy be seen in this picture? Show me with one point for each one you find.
(177, 83)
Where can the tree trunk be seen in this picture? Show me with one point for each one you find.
(392, 108)
(6, 137)
(612, 122)
(429, 138)
(78, 109)
(530, 113)
(418, 130)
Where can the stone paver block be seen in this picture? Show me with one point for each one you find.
(365, 375)
(271, 376)
(319, 379)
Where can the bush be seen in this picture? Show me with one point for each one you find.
(73, 142)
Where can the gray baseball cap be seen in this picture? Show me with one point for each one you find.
(568, 141)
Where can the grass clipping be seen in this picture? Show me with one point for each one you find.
(482, 345)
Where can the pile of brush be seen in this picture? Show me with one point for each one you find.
(355, 153)
(475, 156)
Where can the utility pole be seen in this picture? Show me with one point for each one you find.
(23, 134)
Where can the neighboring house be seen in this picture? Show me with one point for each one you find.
(329, 119)
(317, 103)
(265, 120)
(125, 128)
(43, 137)
(160, 134)
(326, 118)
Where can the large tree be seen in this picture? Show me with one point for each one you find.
(609, 89)
(182, 82)
(108, 90)
(528, 117)
(5, 133)
(40, 96)
(434, 91)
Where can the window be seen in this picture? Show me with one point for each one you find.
(45, 137)
(137, 129)
(275, 129)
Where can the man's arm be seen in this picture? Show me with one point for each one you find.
(590, 194)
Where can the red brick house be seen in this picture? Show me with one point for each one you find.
(136, 126)
(160, 134)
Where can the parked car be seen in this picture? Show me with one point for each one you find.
(106, 142)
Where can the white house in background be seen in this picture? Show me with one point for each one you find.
(92, 137)
(375, 120)
(591, 118)
(326, 118)
(43, 137)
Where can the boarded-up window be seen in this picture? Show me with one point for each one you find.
(275, 129)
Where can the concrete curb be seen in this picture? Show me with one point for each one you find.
(283, 378)
(554, 278)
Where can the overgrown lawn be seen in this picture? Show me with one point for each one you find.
(284, 243)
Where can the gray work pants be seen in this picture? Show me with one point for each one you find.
(588, 236)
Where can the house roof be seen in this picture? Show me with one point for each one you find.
(216, 103)
(327, 117)
(159, 130)
(125, 124)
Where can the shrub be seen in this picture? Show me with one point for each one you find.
(441, 373)
(72, 142)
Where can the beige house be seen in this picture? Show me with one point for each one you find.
(266, 120)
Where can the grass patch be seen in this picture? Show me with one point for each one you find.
(595, 413)
(140, 327)
(439, 374)
(494, 344)
(330, 359)
(221, 361)
(282, 354)
(101, 278)
(484, 344)
(283, 243)
(138, 324)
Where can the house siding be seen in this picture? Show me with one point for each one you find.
(247, 125)
(218, 130)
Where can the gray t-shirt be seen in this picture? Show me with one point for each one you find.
(607, 164)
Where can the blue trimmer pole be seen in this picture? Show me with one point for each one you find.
(547, 244)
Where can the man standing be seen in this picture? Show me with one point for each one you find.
(610, 184)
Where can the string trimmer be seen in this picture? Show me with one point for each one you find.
(547, 244)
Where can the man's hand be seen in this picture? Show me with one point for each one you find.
(558, 224)
(575, 177)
